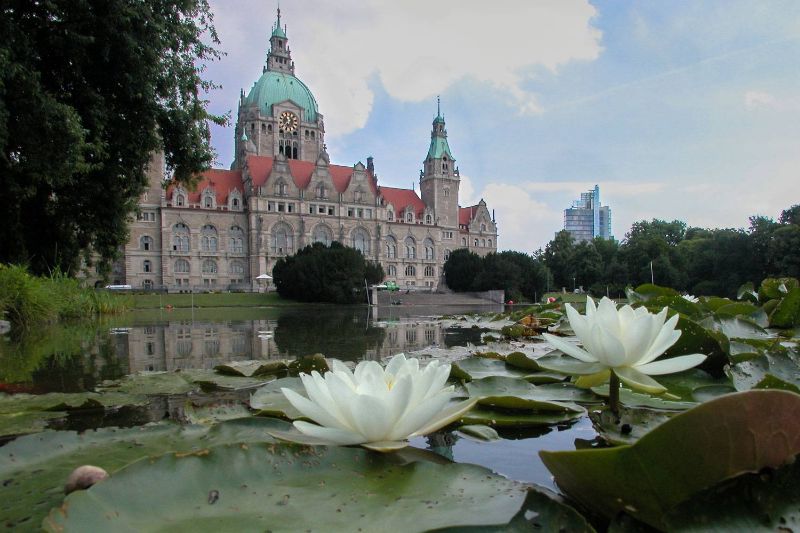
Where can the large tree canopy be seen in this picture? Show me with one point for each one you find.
(88, 90)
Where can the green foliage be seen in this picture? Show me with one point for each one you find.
(519, 275)
(28, 300)
(320, 273)
(87, 93)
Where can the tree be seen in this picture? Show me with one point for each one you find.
(319, 273)
(461, 269)
(88, 90)
(559, 257)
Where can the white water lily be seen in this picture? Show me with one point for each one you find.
(626, 341)
(376, 407)
(690, 298)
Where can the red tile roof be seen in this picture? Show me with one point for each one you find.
(222, 181)
(466, 214)
(301, 171)
(400, 198)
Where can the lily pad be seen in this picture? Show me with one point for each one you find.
(521, 360)
(480, 367)
(309, 363)
(34, 468)
(210, 381)
(251, 368)
(633, 423)
(270, 401)
(698, 339)
(214, 413)
(480, 432)
(782, 365)
(787, 314)
(515, 393)
(752, 502)
(502, 418)
(631, 398)
(694, 450)
(290, 488)
(151, 383)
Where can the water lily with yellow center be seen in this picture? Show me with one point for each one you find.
(379, 408)
(623, 343)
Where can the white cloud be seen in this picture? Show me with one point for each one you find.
(416, 48)
(756, 99)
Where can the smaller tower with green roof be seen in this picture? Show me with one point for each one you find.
(439, 180)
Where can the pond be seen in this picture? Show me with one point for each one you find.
(79, 358)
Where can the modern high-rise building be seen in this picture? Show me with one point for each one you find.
(587, 219)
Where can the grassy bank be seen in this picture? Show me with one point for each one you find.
(222, 299)
(27, 300)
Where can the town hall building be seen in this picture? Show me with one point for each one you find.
(283, 193)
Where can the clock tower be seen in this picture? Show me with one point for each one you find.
(439, 179)
(279, 116)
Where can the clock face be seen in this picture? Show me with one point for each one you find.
(288, 121)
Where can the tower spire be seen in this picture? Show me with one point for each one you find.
(438, 106)
(279, 58)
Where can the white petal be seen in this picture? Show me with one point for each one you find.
(667, 336)
(310, 409)
(419, 416)
(343, 371)
(608, 318)
(638, 381)
(638, 338)
(671, 365)
(396, 364)
(342, 437)
(569, 348)
(371, 417)
(447, 416)
(610, 350)
(578, 322)
(386, 445)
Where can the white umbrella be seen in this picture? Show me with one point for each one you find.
(263, 276)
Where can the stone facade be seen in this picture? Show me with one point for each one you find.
(282, 193)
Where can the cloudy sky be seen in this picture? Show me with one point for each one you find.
(679, 109)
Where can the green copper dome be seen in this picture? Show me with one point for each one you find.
(275, 87)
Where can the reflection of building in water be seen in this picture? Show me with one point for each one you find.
(183, 344)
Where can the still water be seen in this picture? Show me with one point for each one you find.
(80, 357)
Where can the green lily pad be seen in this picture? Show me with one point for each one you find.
(787, 313)
(747, 292)
(698, 339)
(694, 450)
(309, 363)
(35, 467)
(251, 368)
(735, 327)
(499, 418)
(782, 365)
(681, 385)
(523, 361)
(631, 398)
(633, 423)
(479, 367)
(214, 413)
(210, 381)
(542, 511)
(480, 432)
(776, 288)
(150, 383)
(751, 502)
(515, 393)
(25, 422)
(270, 401)
(290, 488)
(710, 392)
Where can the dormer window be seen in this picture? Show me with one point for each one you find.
(235, 200)
(428, 219)
(280, 188)
(179, 197)
(359, 195)
(409, 217)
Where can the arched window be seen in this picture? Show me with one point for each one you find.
(147, 284)
(411, 247)
(180, 237)
(446, 255)
(182, 266)
(236, 240)
(483, 243)
(235, 200)
(411, 271)
(282, 239)
(390, 215)
(146, 243)
(208, 238)
(237, 267)
(209, 266)
(323, 234)
(476, 243)
(429, 250)
(209, 202)
(428, 219)
(280, 188)
(361, 240)
(429, 271)
(409, 216)
(489, 243)
(446, 192)
(147, 266)
(463, 241)
(392, 271)
(391, 247)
